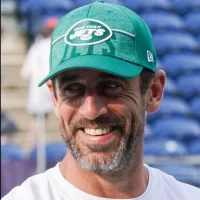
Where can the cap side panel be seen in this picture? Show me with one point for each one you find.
(144, 41)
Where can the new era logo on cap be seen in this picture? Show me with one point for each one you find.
(149, 56)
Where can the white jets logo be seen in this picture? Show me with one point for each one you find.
(87, 32)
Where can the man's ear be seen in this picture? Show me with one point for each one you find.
(155, 91)
(53, 97)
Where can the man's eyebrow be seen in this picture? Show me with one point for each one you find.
(67, 78)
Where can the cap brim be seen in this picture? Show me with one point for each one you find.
(107, 64)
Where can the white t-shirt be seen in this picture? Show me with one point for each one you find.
(51, 185)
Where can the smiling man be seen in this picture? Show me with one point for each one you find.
(103, 80)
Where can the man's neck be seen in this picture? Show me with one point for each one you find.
(129, 183)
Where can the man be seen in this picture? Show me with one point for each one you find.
(103, 81)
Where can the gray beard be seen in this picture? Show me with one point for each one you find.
(124, 156)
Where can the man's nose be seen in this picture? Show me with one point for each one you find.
(92, 107)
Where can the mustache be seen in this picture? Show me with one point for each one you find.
(100, 121)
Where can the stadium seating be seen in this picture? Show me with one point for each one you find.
(12, 151)
(55, 152)
(174, 42)
(169, 91)
(170, 87)
(180, 128)
(45, 5)
(160, 146)
(198, 38)
(189, 85)
(148, 5)
(183, 172)
(159, 64)
(192, 20)
(79, 3)
(195, 107)
(176, 64)
(33, 10)
(148, 131)
(163, 21)
(194, 147)
(172, 106)
(183, 6)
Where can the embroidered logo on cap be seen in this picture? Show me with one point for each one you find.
(87, 32)
(149, 56)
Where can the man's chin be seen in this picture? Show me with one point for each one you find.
(98, 163)
(99, 158)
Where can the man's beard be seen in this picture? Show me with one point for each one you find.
(100, 160)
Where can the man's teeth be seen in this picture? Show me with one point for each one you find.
(99, 131)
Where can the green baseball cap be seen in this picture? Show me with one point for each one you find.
(102, 36)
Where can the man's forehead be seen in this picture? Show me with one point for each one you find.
(73, 74)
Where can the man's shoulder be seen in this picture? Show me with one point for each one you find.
(33, 188)
(175, 188)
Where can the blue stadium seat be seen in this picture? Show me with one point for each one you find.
(79, 3)
(23, 6)
(163, 21)
(174, 42)
(148, 131)
(12, 151)
(55, 152)
(146, 5)
(115, 1)
(170, 107)
(49, 5)
(194, 147)
(170, 87)
(198, 38)
(169, 91)
(159, 65)
(183, 172)
(195, 106)
(176, 64)
(189, 85)
(173, 106)
(27, 6)
(192, 21)
(164, 147)
(184, 6)
(181, 128)
(33, 10)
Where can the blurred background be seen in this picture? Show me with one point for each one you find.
(30, 137)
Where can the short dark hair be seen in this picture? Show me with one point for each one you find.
(53, 80)
(145, 78)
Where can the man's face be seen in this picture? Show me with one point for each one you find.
(101, 118)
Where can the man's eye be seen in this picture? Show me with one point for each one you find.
(73, 88)
(111, 87)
